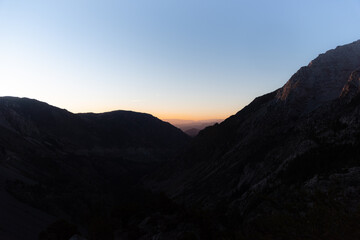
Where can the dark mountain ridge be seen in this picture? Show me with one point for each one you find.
(63, 130)
(56, 164)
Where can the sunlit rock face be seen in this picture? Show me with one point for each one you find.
(352, 87)
(323, 79)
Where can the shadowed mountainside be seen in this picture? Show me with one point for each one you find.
(56, 164)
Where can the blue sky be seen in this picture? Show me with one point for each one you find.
(174, 59)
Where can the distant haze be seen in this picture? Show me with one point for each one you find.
(192, 127)
(174, 59)
(180, 122)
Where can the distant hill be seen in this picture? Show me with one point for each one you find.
(192, 128)
(192, 132)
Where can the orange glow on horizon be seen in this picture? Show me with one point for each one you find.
(163, 114)
(169, 116)
(191, 116)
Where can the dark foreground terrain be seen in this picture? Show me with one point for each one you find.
(287, 166)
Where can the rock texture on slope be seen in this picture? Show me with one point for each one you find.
(322, 80)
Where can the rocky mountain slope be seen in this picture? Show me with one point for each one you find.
(287, 160)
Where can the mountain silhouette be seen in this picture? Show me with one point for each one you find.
(60, 130)
(56, 164)
(286, 166)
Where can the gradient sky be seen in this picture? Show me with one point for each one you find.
(188, 59)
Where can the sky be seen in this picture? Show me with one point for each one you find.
(175, 59)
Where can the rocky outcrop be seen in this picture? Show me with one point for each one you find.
(322, 80)
(352, 86)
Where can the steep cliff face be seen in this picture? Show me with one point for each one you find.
(323, 79)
